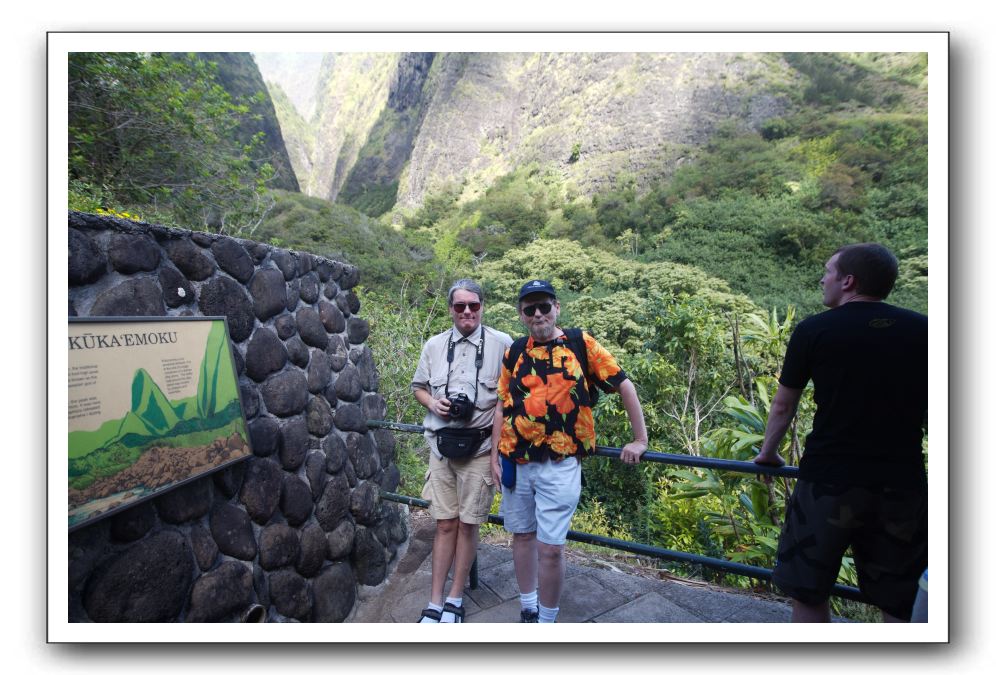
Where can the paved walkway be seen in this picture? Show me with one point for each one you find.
(591, 594)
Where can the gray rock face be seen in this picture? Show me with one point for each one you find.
(362, 454)
(342, 304)
(188, 502)
(130, 253)
(205, 550)
(310, 327)
(331, 290)
(335, 594)
(290, 594)
(294, 443)
(250, 401)
(385, 442)
(133, 297)
(285, 326)
(261, 489)
(278, 546)
(350, 277)
(313, 548)
(369, 558)
(147, 582)
(189, 259)
(337, 353)
(257, 250)
(285, 393)
(220, 593)
(364, 501)
(390, 478)
(265, 354)
(349, 417)
(269, 293)
(352, 302)
(374, 407)
(348, 386)
(233, 258)
(319, 372)
(133, 523)
(87, 262)
(228, 481)
(319, 416)
(177, 291)
(309, 288)
(224, 296)
(286, 262)
(340, 540)
(333, 505)
(335, 453)
(363, 360)
(293, 295)
(232, 531)
(297, 352)
(264, 436)
(296, 501)
(240, 360)
(305, 263)
(314, 469)
(329, 395)
(331, 317)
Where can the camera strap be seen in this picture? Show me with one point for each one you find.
(478, 362)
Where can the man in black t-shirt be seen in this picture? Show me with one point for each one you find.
(862, 481)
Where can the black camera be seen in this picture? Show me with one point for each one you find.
(461, 407)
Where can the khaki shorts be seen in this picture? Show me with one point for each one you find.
(459, 488)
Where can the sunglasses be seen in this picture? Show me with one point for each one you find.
(458, 307)
(543, 307)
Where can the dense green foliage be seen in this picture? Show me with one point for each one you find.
(384, 256)
(761, 211)
(157, 135)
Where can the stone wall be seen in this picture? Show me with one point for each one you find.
(288, 534)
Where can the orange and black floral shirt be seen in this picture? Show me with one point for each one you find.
(545, 400)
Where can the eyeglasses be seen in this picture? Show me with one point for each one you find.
(458, 307)
(543, 307)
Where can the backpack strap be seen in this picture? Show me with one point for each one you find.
(515, 351)
(575, 342)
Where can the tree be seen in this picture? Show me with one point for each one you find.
(159, 132)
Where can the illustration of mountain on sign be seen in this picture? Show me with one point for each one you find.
(153, 404)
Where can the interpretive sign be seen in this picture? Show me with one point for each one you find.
(153, 404)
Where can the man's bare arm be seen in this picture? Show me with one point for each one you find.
(783, 408)
(632, 451)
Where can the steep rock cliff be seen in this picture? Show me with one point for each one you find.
(238, 74)
(352, 92)
(398, 125)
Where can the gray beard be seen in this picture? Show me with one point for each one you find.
(544, 334)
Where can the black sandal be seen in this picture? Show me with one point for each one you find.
(457, 612)
(429, 613)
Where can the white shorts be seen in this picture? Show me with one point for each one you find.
(545, 497)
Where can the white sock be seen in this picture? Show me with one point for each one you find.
(528, 600)
(456, 602)
(547, 614)
(438, 608)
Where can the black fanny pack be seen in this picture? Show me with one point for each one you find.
(460, 443)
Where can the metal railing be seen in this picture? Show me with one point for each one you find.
(728, 566)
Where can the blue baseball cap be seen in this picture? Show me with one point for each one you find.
(537, 286)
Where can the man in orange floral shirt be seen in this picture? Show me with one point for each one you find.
(542, 430)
